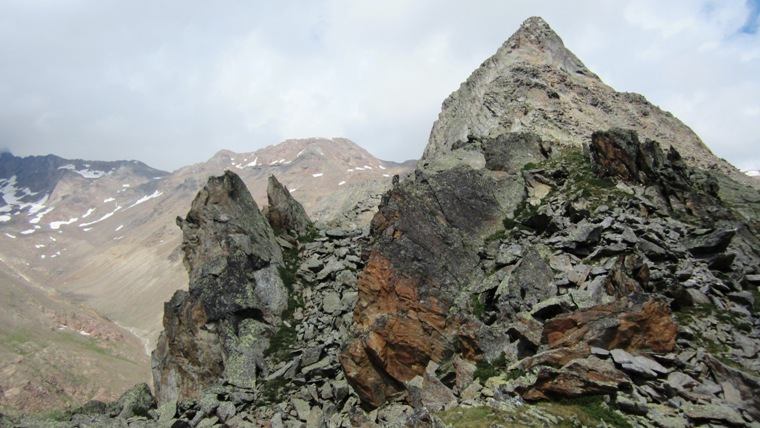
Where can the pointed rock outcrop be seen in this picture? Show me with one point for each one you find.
(219, 328)
(285, 214)
(535, 84)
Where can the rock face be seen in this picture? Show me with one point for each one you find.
(285, 214)
(535, 84)
(220, 327)
(427, 233)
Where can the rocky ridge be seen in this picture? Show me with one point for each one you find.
(605, 289)
(524, 279)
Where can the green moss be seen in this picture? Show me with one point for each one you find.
(281, 343)
(485, 370)
(477, 307)
(57, 415)
(496, 236)
(272, 390)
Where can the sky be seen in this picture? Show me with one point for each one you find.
(170, 83)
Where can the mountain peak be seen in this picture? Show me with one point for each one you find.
(535, 42)
(533, 83)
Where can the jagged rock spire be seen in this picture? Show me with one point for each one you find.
(285, 214)
(220, 327)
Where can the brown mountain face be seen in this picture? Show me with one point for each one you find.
(104, 235)
(535, 84)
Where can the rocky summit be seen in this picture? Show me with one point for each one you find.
(562, 256)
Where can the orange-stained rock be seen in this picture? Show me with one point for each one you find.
(579, 377)
(635, 323)
(370, 382)
(427, 232)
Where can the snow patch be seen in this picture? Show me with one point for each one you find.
(146, 198)
(317, 175)
(10, 236)
(118, 228)
(248, 165)
(105, 216)
(55, 225)
(4, 218)
(87, 214)
(341, 183)
(118, 238)
(105, 201)
(381, 167)
(86, 229)
(87, 172)
(386, 175)
(38, 246)
(39, 215)
(28, 232)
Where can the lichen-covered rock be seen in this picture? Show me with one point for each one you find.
(138, 401)
(220, 327)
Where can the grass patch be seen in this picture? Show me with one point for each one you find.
(570, 413)
(594, 408)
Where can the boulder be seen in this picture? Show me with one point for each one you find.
(138, 401)
(638, 365)
(710, 243)
(633, 323)
(577, 378)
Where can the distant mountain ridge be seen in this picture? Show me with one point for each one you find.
(103, 234)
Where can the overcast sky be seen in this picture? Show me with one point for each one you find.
(172, 82)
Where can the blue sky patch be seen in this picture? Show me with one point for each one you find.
(751, 26)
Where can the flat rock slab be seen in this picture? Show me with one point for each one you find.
(638, 364)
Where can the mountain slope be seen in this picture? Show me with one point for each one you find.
(108, 239)
(54, 353)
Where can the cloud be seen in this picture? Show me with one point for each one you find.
(170, 83)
